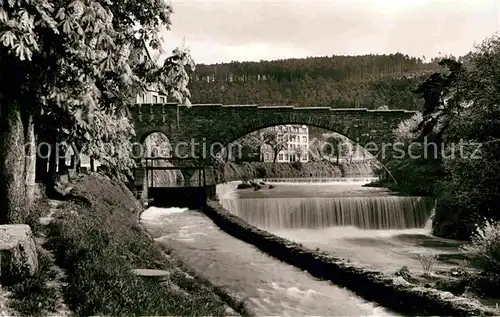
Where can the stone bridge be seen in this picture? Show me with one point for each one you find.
(216, 123)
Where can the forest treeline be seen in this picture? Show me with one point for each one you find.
(368, 81)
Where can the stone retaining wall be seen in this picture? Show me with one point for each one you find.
(389, 291)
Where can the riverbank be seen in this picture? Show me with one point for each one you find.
(98, 242)
(389, 290)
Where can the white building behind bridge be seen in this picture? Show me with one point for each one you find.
(295, 140)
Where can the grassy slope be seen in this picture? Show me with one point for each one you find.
(98, 243)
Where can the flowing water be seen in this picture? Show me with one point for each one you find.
(323, 212)
(270, 286)
(366, 225)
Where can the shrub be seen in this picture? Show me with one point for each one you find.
(484, 249)
(427, 260)
(297, 165)
(261, 171)
(246, 179)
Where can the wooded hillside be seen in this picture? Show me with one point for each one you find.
(368, 81)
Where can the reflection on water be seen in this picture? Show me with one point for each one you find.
(271, 287)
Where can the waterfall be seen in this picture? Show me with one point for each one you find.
(429, 223)
(385, 212)
(226, 191)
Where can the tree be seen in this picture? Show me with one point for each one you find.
(246, 148)
(276, 141)
(470, 190)
(68, 64)
(461, 117)
(333, 145)
(442, 96)
(407, 130)
(339, 81)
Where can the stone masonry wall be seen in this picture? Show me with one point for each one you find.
(224, 124)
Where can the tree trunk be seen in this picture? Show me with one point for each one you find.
(338, 157)
(41, 163)
(12, 189)
(30, 162)
(92, 165)
(227, 154)
(76, 155)
(61, 164)
(52, 162)
(275, 157)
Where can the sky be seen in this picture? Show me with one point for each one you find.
(251, 30)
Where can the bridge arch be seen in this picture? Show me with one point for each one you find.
(145, 134)
(215, 123)
(311, 141)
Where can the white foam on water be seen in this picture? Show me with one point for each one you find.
(184, 239)
(153, 214)
(266, 300)
(296, 292)
(165, 238)
(276, 286)
(375, 310)
(226, 191)
(307, 235)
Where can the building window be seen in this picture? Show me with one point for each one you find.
(155, 99)
(304, 139)
(281, 157)
(162, 99)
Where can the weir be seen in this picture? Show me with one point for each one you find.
(375, 212)
(389, 212)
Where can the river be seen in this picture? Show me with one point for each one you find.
(365, 225)
(271, 287)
